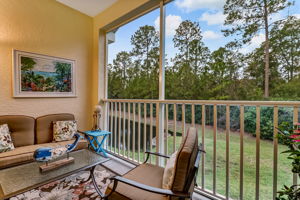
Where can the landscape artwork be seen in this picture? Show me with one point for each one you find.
(38, 75)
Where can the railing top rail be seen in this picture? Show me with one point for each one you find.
(208, 102)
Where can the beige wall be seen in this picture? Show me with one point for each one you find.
(46, 27)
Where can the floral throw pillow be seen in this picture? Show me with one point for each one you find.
(64, 130)
(6, 143)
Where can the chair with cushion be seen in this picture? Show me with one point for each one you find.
(145, 182)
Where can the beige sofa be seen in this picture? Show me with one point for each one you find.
(29, 134)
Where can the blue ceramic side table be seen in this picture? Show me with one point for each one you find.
(92, 137)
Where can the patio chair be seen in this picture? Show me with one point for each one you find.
(145, 181)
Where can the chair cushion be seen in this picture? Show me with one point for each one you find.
(169, 172)
(185, 160)
(64, 130)
(146, 174)
(44, 126)
(25, 154)
(6, 143)
(21, 129)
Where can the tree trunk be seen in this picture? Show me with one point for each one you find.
(267, 50)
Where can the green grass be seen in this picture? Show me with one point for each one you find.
(266, 165)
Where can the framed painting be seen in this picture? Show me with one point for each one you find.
(37, 75)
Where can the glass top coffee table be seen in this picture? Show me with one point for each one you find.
(19, 179)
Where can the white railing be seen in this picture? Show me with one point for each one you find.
(134, 124)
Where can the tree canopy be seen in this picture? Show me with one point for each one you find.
(196, 73)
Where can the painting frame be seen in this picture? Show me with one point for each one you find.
(67, 88)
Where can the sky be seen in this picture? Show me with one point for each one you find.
(209, 15)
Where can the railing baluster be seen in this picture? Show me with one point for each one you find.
(107, 105)
(145, 129)
(215, 150)
(124, 127)
(275, 152)
(151, 129)
(242, 129)
(203, 146)
(227, 149)
(257, 152)
(111, 126)
(120, 129)
(295, 120)
(128, 133)
(133, 132)
(139, 132)
(167, 130)
(157, 144)
(116, 130)
(183, 121)
(175, 127)
(193, 114)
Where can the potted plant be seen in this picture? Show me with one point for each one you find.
(291, 138)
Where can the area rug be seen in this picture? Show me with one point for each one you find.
(73, 187)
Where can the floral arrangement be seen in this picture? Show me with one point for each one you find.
(291, 138)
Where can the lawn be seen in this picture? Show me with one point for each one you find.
(266, 164)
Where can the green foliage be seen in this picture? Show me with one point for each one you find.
(285, 135)
(289, 193)
(285, 44)
(27, 63)
(247, 18)
(63, 78)
(224, 74)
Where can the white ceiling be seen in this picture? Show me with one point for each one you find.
(88, 7)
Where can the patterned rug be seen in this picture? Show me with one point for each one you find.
(73, 187)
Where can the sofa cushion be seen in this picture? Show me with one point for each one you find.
(185, 160)
(25, 154)
(64, 130)
(44, 126)
(146, 174)
(21, 129)
(6, 143)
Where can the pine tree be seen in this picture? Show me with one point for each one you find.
(247, 18)
(144, 41)
(285, 45)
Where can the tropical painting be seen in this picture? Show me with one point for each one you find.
(43, 76)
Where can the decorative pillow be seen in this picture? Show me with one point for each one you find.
(64, 130)
(169, 172)
(6, 143)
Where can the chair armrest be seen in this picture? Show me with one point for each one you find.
(156, 154)
(150, 188)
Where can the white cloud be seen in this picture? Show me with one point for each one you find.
(276, 17)
(172, 23)
(191, 5)
(254, 43)
(217, 18)
(211, 35)
(297, 15)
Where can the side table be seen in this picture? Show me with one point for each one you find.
(92, 137)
